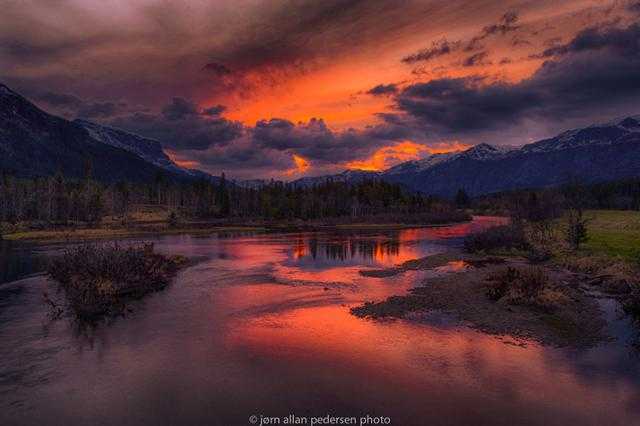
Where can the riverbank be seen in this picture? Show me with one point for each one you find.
(549, 304)
(513, 283)
(89, 234)
(76, 234)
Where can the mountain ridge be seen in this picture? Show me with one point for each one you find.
(34, 143)
(586, 154)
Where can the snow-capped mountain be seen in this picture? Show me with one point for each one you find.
(149, 150)
(415, 166)
(599, 152)
(34, 143)
(592, 154)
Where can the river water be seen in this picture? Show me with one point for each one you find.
(260, 326)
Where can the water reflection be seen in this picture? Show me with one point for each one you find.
(349, 247)
(262, 326)
(17, 261)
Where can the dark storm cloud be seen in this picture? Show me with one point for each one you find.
(438, 48)
(181, 125)
(476, 59)
(63, 100)
(464, 104)
(27, 50)
(269, 146)
(626, 41)
(315, 141)
(216, 69)
(442, 47)
(598, 71)
(71, 106)
(215, 110)
(255, 162)
(97, 110)
(517, 41)
(634, 7)
(506, 24)
(383, 89)
(294, 35)
(179, 109)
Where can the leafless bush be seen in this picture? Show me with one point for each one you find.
(98, 279)
(526, 286)
(505, 237)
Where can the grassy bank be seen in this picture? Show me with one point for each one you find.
(110, 229)
(88, 234)
(526, 279)
(614, 233)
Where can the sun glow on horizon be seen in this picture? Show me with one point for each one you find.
(390, 156)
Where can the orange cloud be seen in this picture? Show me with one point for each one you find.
(389, 156)
(187, 164)
(301, 165)
(444, 147)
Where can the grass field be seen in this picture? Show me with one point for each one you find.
(614, 232)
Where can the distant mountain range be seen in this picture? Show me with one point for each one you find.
(34, 143)
(596, 153)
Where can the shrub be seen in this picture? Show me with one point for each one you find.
(172, 220)
(519, 286)
(500, 283)
(505, 237)
(631, 305)
(576, 231)
(98, 279)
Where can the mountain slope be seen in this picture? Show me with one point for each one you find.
(596, 153)
(593, 154)
(34, 143)
(149, 150)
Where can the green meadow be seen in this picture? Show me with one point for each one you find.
(614, 232)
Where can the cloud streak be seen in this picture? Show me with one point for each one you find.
(596, 72)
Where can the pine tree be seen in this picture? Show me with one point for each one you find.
(462, 198)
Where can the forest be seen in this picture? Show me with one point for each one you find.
(57, 201)
(612, 195)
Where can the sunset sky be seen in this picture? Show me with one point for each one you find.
(285, 89)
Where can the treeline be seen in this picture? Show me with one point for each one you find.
(57, 200)
(615, 195)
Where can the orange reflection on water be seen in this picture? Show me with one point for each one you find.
(430, 361)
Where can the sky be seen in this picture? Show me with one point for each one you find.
(284, 89)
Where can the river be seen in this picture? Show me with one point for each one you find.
(260, 326)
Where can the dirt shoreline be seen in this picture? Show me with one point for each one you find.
(574, 319)
(86, 234)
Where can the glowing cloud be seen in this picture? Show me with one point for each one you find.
(444, 147)
(188, 164)
(389, 156)
(301, 166)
